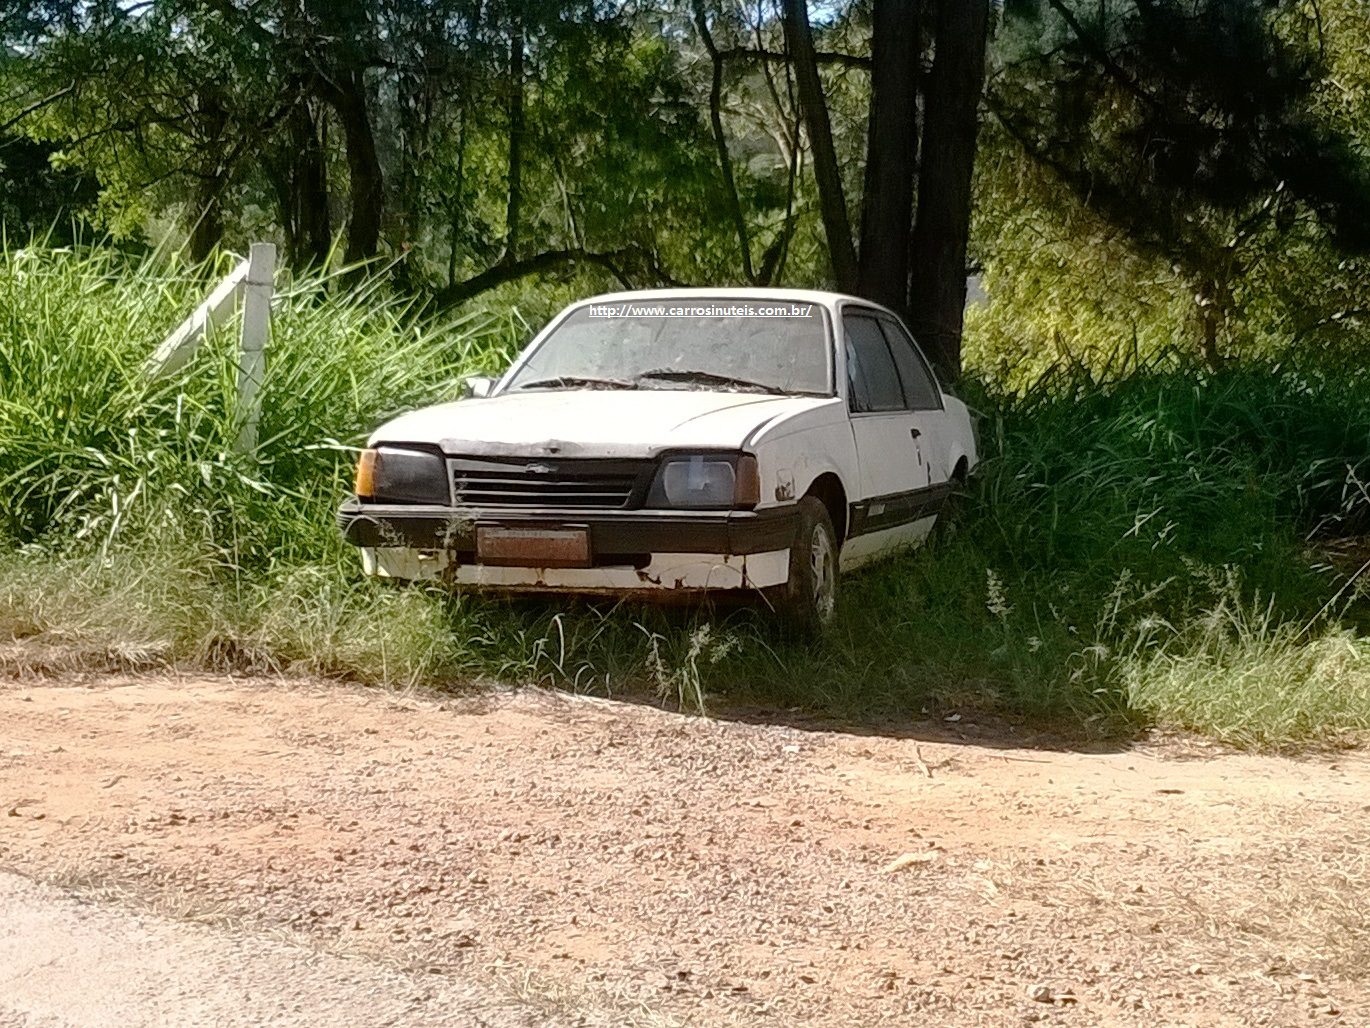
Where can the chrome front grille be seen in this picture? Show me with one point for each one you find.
(591, 484)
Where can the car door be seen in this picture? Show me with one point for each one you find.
(923, 397)
(890, 466)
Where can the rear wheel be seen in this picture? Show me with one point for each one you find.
(952, 507)
(809, 599)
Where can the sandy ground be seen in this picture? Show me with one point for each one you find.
(68, 963)
(535, 858)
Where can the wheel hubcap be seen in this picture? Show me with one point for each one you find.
(824, 568)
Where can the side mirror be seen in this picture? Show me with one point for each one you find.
(477, 387)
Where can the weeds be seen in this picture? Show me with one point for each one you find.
(1134, 550)
(682, 680)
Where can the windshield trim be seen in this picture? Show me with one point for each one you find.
(536, 343)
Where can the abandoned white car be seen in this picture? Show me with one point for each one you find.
(673, 442)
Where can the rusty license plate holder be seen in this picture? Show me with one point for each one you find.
(533, 547)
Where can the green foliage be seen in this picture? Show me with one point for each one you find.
(90, 448)
(1239, 675)
(37, 199)
(159, 102)
(223, 121)
(1154, 176)
(1150, 173)
(1133, 550)
(1107, 525)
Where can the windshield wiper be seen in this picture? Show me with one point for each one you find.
(580, 382)
(708, 378)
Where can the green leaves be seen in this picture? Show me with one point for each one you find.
(89, 445)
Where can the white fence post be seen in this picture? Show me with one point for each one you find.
(261, 272)
(253, 281)
(178, 347)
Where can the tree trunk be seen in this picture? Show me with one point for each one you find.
(346, 94)
(891, 152)
(773, 260)
(207, 232)
(513, 209)
(313, 229)
(207, 228)
(1212, 320)
(725, 161)
(412, 113)
(1213, 299)
(831, 198)
(295, 166)
(284, 189)
(456, 218)
(937, 298)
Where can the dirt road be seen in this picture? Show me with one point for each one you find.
(534, 858)
(68, 963)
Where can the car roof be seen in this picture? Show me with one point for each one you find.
(820, 296)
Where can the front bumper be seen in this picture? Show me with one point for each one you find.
(616, 537)
(664, 575)
(632, 550)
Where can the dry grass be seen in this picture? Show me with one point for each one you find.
(557, 1000)
(33, 660)
(138, 891)
(1307, 904)
(1327, 910)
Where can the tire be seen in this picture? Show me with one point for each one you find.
(949, 517)
(808, 600)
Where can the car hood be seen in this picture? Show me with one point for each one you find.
(603, 423)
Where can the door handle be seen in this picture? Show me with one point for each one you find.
(914, 433)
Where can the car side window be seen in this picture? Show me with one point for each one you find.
(872, 378)
(919, 386)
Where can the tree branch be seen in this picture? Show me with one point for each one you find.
(511, 271)
(37, 106)
(725, 160)
(1099, 48)
(743, 53)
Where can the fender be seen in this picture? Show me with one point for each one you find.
(789, 463)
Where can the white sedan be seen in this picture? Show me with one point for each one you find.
(673, 443)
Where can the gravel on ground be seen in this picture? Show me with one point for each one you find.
(551, 859)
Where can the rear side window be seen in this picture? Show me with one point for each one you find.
(872, 378)
(920, 388)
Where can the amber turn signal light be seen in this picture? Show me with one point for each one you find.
(366, 474)
(748, 491)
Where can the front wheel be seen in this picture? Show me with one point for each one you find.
(809, 598)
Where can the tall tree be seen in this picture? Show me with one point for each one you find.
(937, 299)
(518, 128)
(913, 265)
(725, 160)
(340, 41)
(297, 165)
(832, 197)
(891, 151)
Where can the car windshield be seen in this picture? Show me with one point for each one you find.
(775, 346)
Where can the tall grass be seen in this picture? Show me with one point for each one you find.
(91, 448)
(1145, 548)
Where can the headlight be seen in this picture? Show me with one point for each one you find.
(393, 475)
(707, 482)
